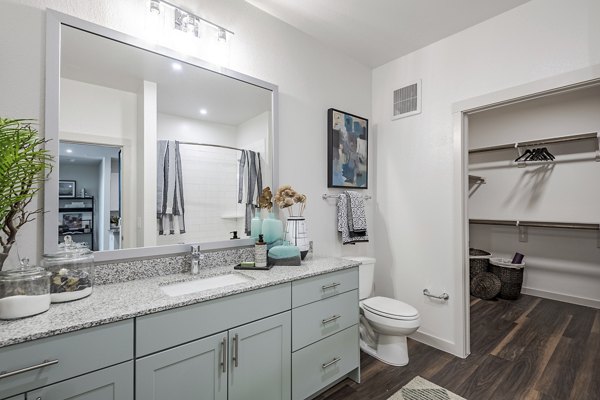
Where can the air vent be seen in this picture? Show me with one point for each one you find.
(407, 101)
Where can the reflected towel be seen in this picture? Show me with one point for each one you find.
(169, 187)
(250, 181)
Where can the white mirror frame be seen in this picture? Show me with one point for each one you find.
(54, 21)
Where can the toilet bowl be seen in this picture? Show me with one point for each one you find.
(392, 321)
(386, 322)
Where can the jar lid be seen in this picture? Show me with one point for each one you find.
(23, 272)
(70, 250)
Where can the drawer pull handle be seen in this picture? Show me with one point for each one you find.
(330, 286)
(330, 363)
(235, 350)
(224, 354)
(46, 363)
(330, 319)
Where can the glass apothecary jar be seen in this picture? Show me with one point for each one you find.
(24, 291)
(72, 269)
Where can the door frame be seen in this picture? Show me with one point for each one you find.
(574, 80)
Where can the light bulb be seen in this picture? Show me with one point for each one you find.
(154, 7)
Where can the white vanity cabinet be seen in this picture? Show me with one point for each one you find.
(325, 338)
(28, 366)
(243, 360)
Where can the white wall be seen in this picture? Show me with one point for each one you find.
(417, 235)
(560, 263)
(311, 79)
(97, 110)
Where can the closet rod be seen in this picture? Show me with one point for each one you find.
(560, 139)
(335, 196)
(537, 224)
(212, 145)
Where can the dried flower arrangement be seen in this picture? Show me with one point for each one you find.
(286, 197)
(265, 200)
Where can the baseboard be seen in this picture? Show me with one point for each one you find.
(438, 343)
(582, 301)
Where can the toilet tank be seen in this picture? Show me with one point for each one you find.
(366, 273)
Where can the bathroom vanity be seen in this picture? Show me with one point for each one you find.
(287, 333)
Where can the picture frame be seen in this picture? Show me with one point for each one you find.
(66, 189)
(347, 150)
(73, 221)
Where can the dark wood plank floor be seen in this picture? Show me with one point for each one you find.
(530, 348)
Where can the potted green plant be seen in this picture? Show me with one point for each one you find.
(24, 166)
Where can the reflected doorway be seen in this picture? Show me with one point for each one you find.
(90, 195)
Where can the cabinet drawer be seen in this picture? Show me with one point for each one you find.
(316, 366)
(318, 320)
(321, 287)
(114, 383)
(170, 328)
(76, 353)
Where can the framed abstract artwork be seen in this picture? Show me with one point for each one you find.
(347, 150)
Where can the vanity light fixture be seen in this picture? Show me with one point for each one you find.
(154, 7)
(186, 21)
(69, 150)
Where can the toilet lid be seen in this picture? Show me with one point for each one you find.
(385, 306)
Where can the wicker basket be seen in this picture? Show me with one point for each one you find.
(485, 285)
(479, 261)
(511, 277)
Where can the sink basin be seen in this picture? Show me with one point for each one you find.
(199, 285)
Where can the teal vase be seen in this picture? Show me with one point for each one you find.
(272, 229)
(255, 227)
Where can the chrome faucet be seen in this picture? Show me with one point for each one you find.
(196, 256)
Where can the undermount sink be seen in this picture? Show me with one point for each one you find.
(199, 285)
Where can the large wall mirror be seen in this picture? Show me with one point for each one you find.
(154, 150)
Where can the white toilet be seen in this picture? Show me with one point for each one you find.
(389, 321)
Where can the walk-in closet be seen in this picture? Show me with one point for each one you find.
(534, 189)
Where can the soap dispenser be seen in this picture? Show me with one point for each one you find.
(260, 253)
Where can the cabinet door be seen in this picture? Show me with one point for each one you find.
(19, 397)
(114, 383)
(260, 362)
(186, 372)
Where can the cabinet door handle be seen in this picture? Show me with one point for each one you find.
(224, 354)
(330, 319)
(330, 286)
(45, 363)
(330, 363)
(235, 350)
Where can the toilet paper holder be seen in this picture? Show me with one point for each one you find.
(444, 296)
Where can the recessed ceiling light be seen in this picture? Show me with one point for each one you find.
(69, 151)
(203, 111)
(176, 66)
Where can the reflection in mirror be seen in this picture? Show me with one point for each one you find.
(165, 152)
(90, 202)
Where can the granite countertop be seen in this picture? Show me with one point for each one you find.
(120, 301)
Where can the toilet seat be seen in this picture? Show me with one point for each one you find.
(390, 308)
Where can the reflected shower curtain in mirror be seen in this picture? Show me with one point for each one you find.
(250, 182)
(169, 188)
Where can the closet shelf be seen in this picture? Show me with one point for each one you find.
(540, 142)
(537, 224)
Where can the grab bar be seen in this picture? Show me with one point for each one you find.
(444, 296)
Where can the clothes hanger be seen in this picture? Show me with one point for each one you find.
(526, 153)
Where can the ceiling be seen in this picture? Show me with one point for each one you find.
(184, 91)
(375, 32)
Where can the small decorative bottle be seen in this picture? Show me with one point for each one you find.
(260, 253)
